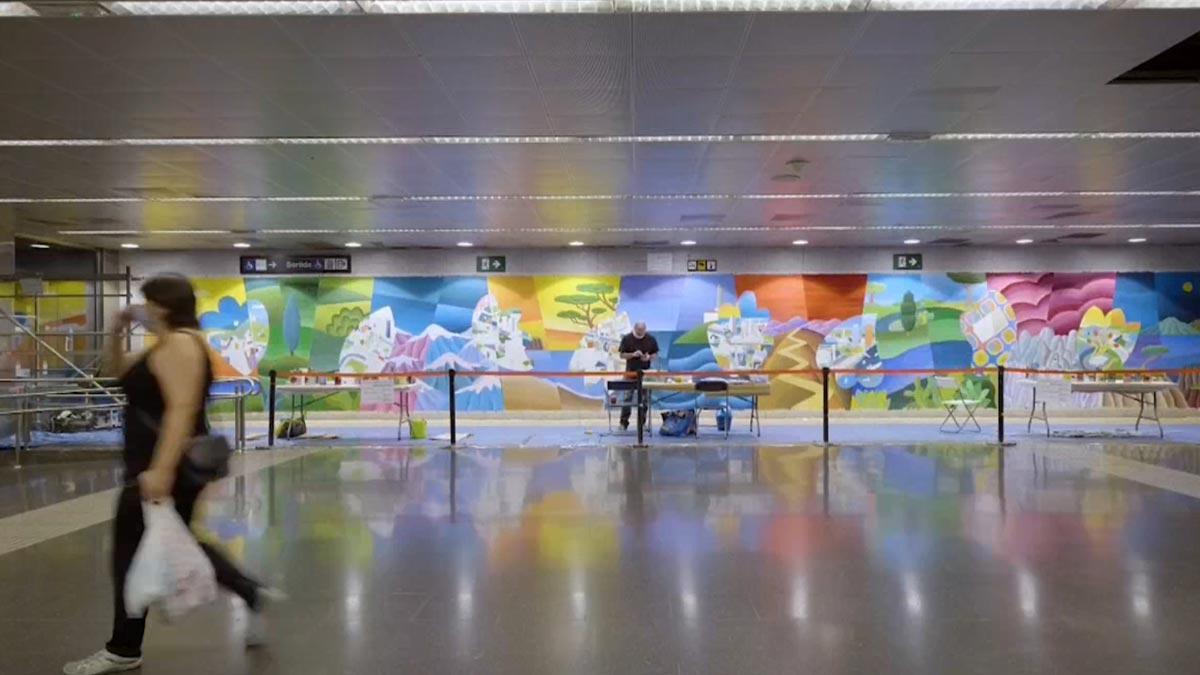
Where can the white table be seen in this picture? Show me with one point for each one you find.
(1132, 390)
(318, 392)
(744, 390)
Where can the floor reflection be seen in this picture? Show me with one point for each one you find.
(935, 558)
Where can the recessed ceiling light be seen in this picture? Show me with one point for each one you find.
(575, 243)
(353, 244)
(39, 246)
(129, 245)
(1137, 240)
(1024, 241)
(870, 137)
(464, 244)
(597, 197)
(687, 242)
(241, 244)
(800, 242)
(912, 242)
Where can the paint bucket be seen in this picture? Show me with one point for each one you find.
(418, 429)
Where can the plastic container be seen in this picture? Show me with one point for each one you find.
(418, 429)
(724, 418)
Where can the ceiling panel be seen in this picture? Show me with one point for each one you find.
(579, 75)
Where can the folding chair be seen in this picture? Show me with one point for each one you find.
(716, 387)
(960, 402)
(625, 395)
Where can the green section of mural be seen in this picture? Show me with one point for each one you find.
(863, 326)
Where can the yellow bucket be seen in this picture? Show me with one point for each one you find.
(418, 429)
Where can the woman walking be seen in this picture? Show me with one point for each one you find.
(165, 387)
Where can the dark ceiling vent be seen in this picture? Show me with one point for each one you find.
(649, 244)
(908, 136)
(1062, 206)
(702, 218)
(789, 217)
(149, 192)
(52, 223)
(950, 241)
(1178, 64)
(1068, 214)
(795, 167)
(1075, 236)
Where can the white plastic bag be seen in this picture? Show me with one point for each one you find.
(169, 569)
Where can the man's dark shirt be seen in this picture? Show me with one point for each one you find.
(645, 344)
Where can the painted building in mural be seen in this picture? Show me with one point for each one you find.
(868, 323)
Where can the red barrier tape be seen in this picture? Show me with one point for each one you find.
(814, 372)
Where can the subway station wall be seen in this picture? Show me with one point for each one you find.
(558, 325)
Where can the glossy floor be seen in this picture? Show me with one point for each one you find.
(1056, 558)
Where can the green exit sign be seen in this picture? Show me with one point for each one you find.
(490, 263)
(907, 261)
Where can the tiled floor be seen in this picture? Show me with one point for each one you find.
(1060, 557)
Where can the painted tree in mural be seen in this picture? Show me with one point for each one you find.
(345, 321)
(591, 301)
(908, 312)
(291, 324)
(874, 290)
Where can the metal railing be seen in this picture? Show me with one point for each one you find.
(28, 403)
(998, 376)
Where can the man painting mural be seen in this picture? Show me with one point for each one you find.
(638, 349)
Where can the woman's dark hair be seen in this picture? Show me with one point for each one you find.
(175, 294)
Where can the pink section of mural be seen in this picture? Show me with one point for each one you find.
(1029, 296)
(1074, 294)
(1057, 301)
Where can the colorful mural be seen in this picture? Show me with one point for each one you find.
(558, 325)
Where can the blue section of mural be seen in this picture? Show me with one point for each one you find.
(708, 323)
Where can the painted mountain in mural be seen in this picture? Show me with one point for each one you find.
(1173, 326)
(554, 325)
(484, 394)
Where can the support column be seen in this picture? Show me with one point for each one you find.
(8, 247)
(8, 362)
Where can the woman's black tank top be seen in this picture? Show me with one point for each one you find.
(144, 409)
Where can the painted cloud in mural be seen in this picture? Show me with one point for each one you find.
(876, 322)
(369, 346)
(599, 348)
(497, 336)
(238, 332)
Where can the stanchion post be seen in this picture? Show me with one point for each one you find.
(641, 409)
(18, 439)
(271, 408)
(825, 404)
(1000, 403)
(239, 417)
(453, 412)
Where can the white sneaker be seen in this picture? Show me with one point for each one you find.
(256, 620)
(102, 662)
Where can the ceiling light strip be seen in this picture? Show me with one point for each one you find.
(417, 7)
(659, 228)
(585, 140)
(422, 199)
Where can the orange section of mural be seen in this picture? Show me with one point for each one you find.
(520, 293)
(834, 296)
(782, 296)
